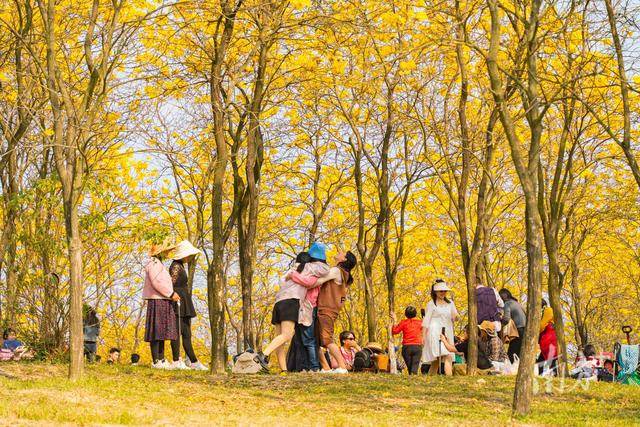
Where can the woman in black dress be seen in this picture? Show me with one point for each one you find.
(185, 253)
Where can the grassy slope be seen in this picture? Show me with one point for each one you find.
(139, 396)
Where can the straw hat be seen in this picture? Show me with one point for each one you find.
(185, 249)
(374, 347)
(489, 327)
(157, 249)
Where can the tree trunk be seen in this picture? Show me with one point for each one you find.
(468, 261)
(11, 190)
(393, 260)
(216, 271)
(555, 301)
(247, 226)
(76, 368)
(581, 331)
(215, 300)
(370, 302)
(71, 172)
(579, 321)
(246, 281)
(316, 211)
(526, 169)
(11, 306)
(523, 392)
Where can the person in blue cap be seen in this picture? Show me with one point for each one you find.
(318, 255)
(286, 311)
(318, 251)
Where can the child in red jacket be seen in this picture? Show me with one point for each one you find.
(548, 358)
(411, 329)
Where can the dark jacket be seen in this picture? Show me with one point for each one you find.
(91, 332)
(487, 305)
(483, 361)
(180, 280)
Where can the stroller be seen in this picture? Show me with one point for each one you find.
(627, 359)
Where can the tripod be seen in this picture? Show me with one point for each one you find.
(440, 367)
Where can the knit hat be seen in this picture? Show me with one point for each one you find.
(184, 250)
(318, 251)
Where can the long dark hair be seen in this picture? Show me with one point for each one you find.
(434, 296)
(90, 316)
(302, 259)
(347, 265)
(506, 295)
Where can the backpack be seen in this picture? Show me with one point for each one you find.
(363, 360)
(244, 364)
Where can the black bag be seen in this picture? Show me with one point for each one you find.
(363, 360)
(604, 375)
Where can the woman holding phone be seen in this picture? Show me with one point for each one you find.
(439, 317)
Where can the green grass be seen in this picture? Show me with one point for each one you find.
(40, 394)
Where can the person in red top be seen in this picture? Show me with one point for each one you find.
(411, 329)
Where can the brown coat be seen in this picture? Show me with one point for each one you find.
(333, 295)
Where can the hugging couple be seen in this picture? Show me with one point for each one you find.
(311, 294)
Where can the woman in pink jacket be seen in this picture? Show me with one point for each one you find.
(161, 305)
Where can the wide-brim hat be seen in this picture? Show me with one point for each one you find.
(185, 249)
(488, 326)
(441, 286)
(159, 248)
(374, 347)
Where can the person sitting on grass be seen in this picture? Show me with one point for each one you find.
(16, 349)
(491, 343)
(411, 329)
(548, 359)
(9, 340)
(348, 349)
(607, 373)
(483, 363)
(586, 364)
(114, 356)
(135, 359)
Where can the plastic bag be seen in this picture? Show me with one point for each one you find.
(507, 367)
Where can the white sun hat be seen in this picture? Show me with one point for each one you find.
(440, 286)
(185, 249)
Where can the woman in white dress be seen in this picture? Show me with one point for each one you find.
(439, 314)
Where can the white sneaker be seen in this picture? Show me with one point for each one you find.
(161, 364)
(179, 365)
(198, 366)
(326, 371)
(340, 371)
